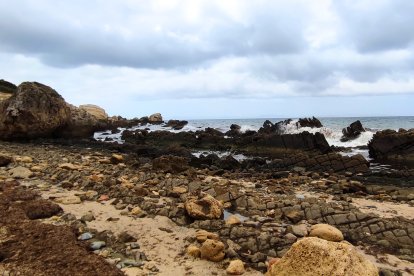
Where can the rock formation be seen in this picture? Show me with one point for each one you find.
(35, 110)
(393, 146)
(352, 131)
(314, 256)
(309, 122)
(95, 110)
(155, 119)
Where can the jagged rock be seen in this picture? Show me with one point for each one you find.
(309, 122)
(212, 250)
(96, 111)
(352, 131)
(34, 111)
(204, 206)
(171, 164)
(234, 130)
(155, 118)
(326, 232)
(393, 146)
(314, 256)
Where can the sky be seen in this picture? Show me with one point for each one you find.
(200, 59)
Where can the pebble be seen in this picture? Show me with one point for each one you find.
(85, 236)
(96, 245)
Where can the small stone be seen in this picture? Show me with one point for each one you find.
(96, 245)
(5, 160)
(20, 172)
(85, 236)
(299, 230)
(193, 251)
(69, 166)
(136, 211)
(131, 263)
(103, 198)
(203, 235)
(116, 158)
(125, 237)
(235, 267)
(233, 220)
(88, 217)
(69, 200)
(326, 232)
(204, 207)
(26, 159)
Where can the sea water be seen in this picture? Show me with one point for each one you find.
(332, 127)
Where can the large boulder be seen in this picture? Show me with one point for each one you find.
(204, 206)
(96, 111)
(352, 131)
(81, 124)
(155, 118)
(393, 146)
(314, 256)
(34, 111)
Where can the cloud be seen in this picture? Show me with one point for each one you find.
(158, 36)
(124, 53)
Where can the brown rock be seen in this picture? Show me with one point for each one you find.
(5, 160)
(204, 207)
(203, 235)
(155, 118)
(193, 251)
(212, 250)
(96, 111)
(233, 220)
(314, 256)
(235, 267)
(34, 111)
(326, 232)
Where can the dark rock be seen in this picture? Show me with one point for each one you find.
(309, 122)
(7, 87)
(5, 160)
(392, 146)
(40, 209)
(169, 163)
(352, 131)
(124, 237)
(176, 124)
(234, 130)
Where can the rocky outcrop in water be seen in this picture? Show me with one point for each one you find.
(309, 122)
(393, 146)
(35, 110)
(176, 124)
(352, 131)
(155, 119)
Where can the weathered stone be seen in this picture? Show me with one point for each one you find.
(232, 220)
(20, 173)
(193, 251)
(212, 250)
(236, 267)
(203, 235)
(326, 232)
(204, 207)
(314, 256)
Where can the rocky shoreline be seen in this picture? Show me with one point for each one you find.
(151, 207)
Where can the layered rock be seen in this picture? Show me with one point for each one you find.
(314, 256)
(35, 110)
(96, 111)
(352, 131)
(393, 146)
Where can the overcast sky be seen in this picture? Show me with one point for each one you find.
(216, 58)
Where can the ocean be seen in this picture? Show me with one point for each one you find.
(332, 127)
